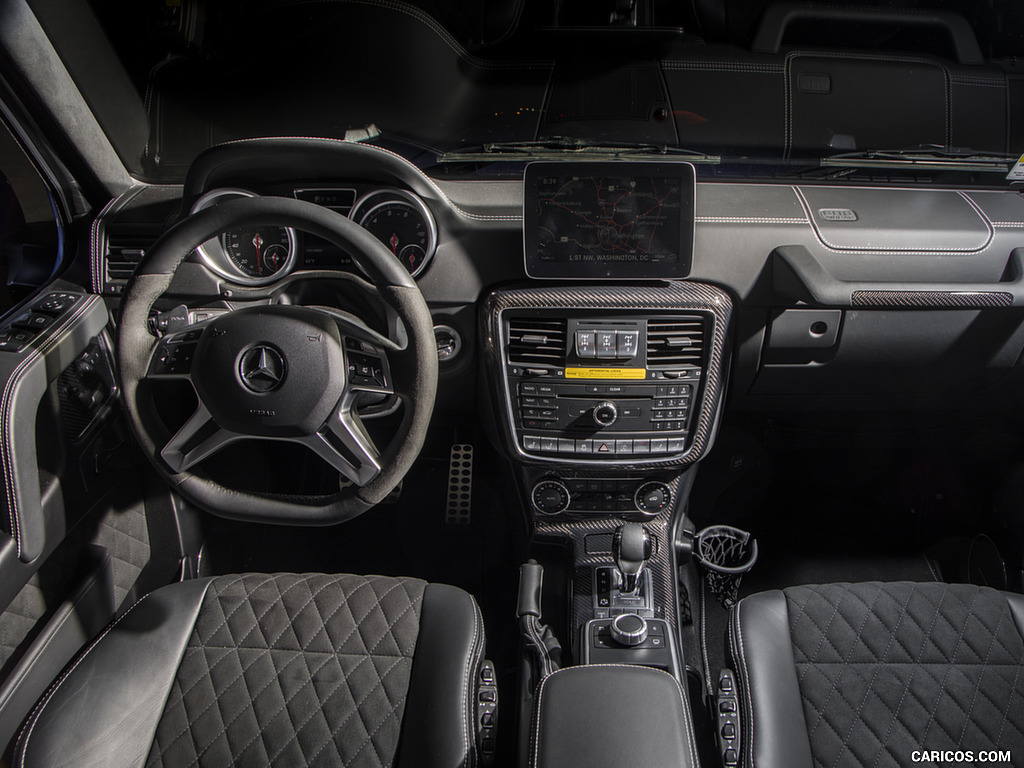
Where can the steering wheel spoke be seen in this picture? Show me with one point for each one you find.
(344, 444)
(355, 329)
(199, 438)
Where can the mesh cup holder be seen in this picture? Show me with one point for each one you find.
(725, 553)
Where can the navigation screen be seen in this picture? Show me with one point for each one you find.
(609, 220)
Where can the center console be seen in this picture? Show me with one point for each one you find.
(607, 383)
(605, 394)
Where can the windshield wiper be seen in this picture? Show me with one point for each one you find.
(563, 147)
(933, 156)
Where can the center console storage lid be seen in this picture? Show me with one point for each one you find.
(611, 715)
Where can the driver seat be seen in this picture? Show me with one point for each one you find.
(268, 670)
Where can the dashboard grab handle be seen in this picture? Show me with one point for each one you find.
(797, 274)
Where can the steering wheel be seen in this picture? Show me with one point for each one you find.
(280, 372)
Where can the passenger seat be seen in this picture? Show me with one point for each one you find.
(879, 674)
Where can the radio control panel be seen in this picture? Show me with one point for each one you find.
(621, 388)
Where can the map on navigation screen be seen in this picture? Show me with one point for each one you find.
(608, 219)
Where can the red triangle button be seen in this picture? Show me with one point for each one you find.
(604, 448)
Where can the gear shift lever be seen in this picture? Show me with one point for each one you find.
(631, 548)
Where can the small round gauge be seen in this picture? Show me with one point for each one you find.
(402, 222)
(413, 256)
(257, 252)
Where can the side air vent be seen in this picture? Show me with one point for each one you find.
(533, 341)
(126, 245)
(675, 341)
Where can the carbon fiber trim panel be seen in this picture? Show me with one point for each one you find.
(574, 529)
(668, 297)
(932, 299)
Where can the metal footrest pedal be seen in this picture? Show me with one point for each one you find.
(460, 485)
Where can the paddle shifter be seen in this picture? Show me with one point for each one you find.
(631, 548)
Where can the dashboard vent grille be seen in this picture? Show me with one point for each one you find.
(534, 340)
(126, 245)
(675, 341)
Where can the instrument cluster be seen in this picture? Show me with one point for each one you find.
(261, 255)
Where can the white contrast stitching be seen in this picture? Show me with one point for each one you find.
(982, 215)
(847, 250)
(6, 446)
(468, 708)
(751, 220)
(34, 717)
(709, 686)
(746, 682)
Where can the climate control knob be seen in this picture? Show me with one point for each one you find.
(652, 497)
(550, 497)
(605, 413)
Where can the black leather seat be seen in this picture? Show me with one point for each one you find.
(258, 670)
(869, 674)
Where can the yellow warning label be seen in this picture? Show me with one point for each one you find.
(605, 373)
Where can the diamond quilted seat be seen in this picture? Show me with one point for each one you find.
(271, 670)
(878, 674)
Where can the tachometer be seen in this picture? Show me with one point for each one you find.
(402, 222)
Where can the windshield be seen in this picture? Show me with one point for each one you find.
(741, 84)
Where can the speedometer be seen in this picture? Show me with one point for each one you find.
(259, 252)
(249, 255)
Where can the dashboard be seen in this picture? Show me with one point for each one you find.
(842, 296)
(602, 320)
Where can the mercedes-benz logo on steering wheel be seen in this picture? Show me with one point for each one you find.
(262, 369)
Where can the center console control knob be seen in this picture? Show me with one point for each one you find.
(605, 413)
(629, 629)
(652, 497)
(550, 497)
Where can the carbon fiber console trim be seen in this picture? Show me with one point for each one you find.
(574, 530)
(932, 299)
(668, 297)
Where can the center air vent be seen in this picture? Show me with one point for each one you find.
(126, 245)
(536, 341)
(675, 341)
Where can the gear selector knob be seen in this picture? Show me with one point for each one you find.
(631, 548)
